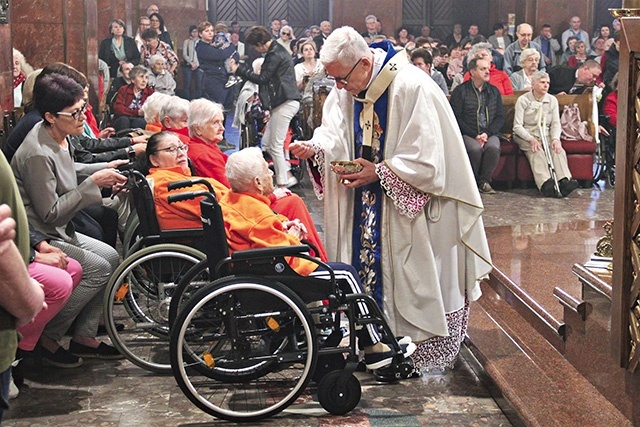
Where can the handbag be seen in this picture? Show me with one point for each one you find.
(573, 129)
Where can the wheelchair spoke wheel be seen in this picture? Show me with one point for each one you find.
(194, 279)
(339, 397)
(243, 348)
(138, 296)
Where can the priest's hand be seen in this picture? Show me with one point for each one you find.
(302, 149)
(366, 176)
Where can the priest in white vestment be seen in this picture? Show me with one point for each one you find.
(410, 221)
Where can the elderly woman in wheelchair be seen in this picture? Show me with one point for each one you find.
(245, 346)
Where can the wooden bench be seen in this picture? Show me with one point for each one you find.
(514, 166)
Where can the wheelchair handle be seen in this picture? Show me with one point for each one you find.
(189, 183)
(190, 195)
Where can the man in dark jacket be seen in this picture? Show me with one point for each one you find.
(565, 80)
(477, 106)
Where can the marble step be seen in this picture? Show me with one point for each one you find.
(539, 383)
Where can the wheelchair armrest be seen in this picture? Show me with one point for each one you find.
(269, 252)
(181, 233)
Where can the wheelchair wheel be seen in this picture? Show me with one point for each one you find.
(138, 295)
(193, 280)
(336, 398)
(243, 348)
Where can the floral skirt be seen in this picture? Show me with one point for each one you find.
(441, 352)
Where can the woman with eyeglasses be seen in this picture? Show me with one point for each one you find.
(157, 24)
(46, 176)
(279, 94)
(166, 162)
(286, 37)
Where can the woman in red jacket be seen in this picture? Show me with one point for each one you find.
(129, 100)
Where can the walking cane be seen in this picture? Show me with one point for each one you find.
(547, 152)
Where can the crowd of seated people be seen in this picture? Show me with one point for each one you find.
(70, 219)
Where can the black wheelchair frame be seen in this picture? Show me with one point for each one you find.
(245, 346)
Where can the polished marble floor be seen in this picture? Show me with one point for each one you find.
(517, 221)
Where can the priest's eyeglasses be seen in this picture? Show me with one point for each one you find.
(345, 80)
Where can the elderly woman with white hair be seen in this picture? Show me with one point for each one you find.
(159, 78)
(286, 37)
(529, 59)
(206, 129)
(537, 116)
(251, 223)
(21, 69)
(151, 111)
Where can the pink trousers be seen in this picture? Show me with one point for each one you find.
(58, 285)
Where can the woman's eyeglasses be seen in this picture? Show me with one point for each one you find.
(174, 150)
(286, 34)
(77, 114)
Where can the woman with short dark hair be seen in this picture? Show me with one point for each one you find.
(46, 176)
(119, 48)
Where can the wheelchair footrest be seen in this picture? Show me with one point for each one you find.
(400, 369)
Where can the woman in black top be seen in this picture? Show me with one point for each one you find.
(119, 48)
(279, 94)
(157, 23)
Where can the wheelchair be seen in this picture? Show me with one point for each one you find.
(605, 163)
(246, 345)
(139, 292)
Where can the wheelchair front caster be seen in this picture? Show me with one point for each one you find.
(339, 393)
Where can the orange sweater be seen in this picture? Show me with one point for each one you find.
(180, 215)
(250, 224)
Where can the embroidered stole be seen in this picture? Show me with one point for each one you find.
(370, 123)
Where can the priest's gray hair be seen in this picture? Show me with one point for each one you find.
(175, 108)
(201, 111)
(243, 166)
(344, 45)
(540, 74)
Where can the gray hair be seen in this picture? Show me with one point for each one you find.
(286, 28)
(137, 70)
(201, 111)
(344, 45)
(155, 58)
(174, 108)
(477, 48)
(528, 52)
(24, 65)
(369, 17)
(540, 74)
(243, 166)
(152, 105)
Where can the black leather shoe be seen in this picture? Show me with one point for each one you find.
(548, 189)
(567, 186)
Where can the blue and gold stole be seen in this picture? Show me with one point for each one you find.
(368, 198)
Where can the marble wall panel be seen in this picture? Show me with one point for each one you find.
(37, 11)
(40, 43)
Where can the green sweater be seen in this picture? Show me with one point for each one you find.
(10, 195)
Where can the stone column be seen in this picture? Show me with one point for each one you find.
(6, 63)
